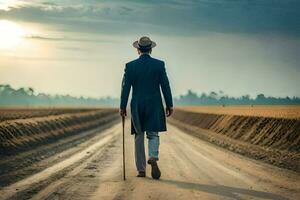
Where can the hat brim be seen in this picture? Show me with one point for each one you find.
(136, 44)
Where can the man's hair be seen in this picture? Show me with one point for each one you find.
(145, 50)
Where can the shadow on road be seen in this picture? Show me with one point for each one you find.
(225, 191)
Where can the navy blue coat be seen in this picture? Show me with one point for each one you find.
(146, 75)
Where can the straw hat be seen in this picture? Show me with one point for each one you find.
(144, 43)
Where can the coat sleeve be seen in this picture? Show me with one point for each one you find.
(165, 87)
(125, 88)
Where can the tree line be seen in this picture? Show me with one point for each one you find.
(219, 98)
(28, 97)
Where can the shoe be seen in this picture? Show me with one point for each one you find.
(155, 172)
(141, 174)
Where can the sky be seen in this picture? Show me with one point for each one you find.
(80, 47)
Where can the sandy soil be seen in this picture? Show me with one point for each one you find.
(272, 140)
(191, 169)
(288, 112)
(25, 113)
(19, 135)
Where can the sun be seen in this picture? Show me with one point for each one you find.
(11, 34)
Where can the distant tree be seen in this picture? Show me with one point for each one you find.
(260, 97)
(245, 99)
(30, 91)
(213, 95)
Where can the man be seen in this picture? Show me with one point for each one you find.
(146, 76)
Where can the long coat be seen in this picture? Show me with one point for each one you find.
(146, 75)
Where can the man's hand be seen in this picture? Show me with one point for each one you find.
(123, 112)
(169, 111)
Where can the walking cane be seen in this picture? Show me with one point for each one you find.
(123, 127)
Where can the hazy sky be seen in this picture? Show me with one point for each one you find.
(79, 47)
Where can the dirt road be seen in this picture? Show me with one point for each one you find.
(191, 169)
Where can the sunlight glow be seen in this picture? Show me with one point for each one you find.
(8, 4)
(11, 34)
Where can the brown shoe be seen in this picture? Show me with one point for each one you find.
(155, 172)
(141, 174)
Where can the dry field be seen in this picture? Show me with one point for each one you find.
(268, 133)
(23, 113)
(30, 135)
(25, 128)
(76, 154)
(290, 112)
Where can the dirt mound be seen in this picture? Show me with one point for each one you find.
(23, 113)
(275, 140)
(21, 134)
(276, 111)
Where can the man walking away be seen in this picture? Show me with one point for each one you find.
(146, 75)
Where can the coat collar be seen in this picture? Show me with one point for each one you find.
(145, 55)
